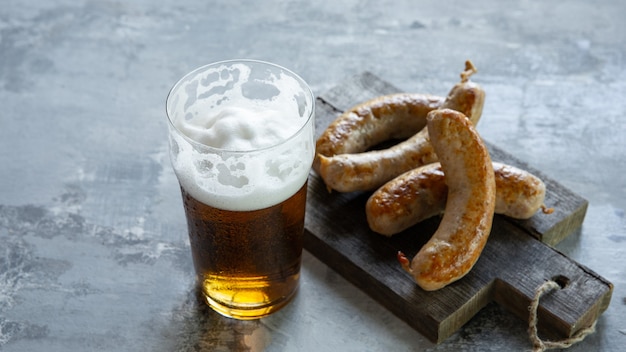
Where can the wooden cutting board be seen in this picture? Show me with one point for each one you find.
(517, 259)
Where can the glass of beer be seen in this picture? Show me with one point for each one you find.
(242, 145)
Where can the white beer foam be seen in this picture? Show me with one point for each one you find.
(236, 128)
(238, 151)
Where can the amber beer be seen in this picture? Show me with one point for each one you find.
(242, 144)
(248, 261)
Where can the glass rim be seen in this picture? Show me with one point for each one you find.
(195, 71)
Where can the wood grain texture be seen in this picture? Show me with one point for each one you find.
(517, 258)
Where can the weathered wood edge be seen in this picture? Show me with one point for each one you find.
(572, 214)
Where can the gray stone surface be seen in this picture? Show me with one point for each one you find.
(93, 245)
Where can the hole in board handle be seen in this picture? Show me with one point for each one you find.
(561, 280)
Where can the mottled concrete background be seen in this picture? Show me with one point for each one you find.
(93, 245)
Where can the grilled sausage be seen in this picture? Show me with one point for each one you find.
(421, 193)
(466, 223)
(394, 116)
(369, 170)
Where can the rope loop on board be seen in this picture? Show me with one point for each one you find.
(540, 345)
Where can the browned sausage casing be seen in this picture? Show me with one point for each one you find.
(366, 171)
(393, 116)
(421, 193)
(462, 234)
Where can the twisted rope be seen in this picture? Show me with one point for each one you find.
(539, 344)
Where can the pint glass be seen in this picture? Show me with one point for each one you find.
(242, 145)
